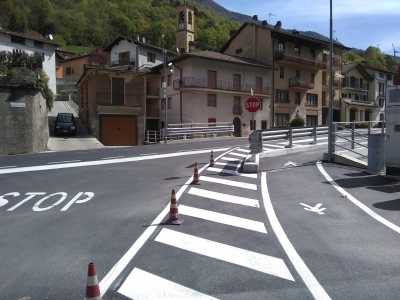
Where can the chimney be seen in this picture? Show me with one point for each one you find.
(264, 23)
(295, 32)
(255, 19)
(278, 25)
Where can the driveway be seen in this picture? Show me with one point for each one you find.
(83, 139)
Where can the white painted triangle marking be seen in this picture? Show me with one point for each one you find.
(222, 218)
(224, 197)
(141, 285)
(238, 184)
(235, 173)
(248, 259)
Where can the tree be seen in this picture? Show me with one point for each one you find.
(98, 58)
(351, 57)
(374, 58)
(396, 77)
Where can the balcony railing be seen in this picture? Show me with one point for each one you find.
(237, 110)
(354, 85)
(300, 59)
(301, 83)
(152, 91)
(110, 99)
(335, 84)
(335, 65)
(152, 112)
(68, 79)
(122, 62)
(336, 103)
(223, 85)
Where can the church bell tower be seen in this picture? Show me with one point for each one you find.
(184, 27)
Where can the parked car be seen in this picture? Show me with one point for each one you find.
(65, 124)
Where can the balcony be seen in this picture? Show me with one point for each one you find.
(354, 86)
(221, 85)
(126, 100)
(335, 65)
(335, 84)
(152, 91)
(122, 62)
(237, 110)
(335, 104)
(300, 59)
(298, 82)
(68, 79)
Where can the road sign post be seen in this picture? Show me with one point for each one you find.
(252, 105)
(255, 140)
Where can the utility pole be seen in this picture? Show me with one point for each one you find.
(330, 119)
(164, 87)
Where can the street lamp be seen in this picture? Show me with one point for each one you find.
(330, 119)
(180, 92)
(164, 88)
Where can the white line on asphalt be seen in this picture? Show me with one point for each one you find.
(232, 159)
(224, 197)
(63, 162)
(227, 164)
(252, 260)
(235, 173)
(113, 157)
(149, 154)
(8, 167)
(311, 282)
(242, 150)
(238, 154)
(271, 145)
(249, 186)
(141, 285)
(102, 162)
(357, 202)
(222, 218)
(117, 269)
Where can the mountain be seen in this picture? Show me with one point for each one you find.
(234, 16)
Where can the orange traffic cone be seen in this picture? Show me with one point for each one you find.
(196, 176)
(92, 286)
(212, 163)
(173, 210)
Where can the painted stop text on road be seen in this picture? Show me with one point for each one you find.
(43, 202)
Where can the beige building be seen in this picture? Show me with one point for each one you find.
(301, 82)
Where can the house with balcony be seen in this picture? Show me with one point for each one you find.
(13, 41)
(357, 105)
(113, 101)
(301, 82)
(377, 90)
(71, 68)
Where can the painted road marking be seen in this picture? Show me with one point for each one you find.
(141, 285)
(357, 202)
(232, 159)
(242, 150)
(222, 218)
(315, 208)
(310, 281)
(224, 197)
(227, 164)
(231, 172)
(117, 269)
(238, 154)
(102, 162)
(63, 162)
(113, 157)
(271, 145)
(248, 259)
(238, 184)
(290, 163)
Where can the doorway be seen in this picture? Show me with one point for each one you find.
(236, 127)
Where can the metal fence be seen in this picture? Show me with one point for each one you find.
(72, 100)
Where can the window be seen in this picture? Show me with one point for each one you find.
(17, 40)
(190, 18)
(151, 57)
(239, 50)
(169, 103)
(282, 96)
(361, 83)
(324, 98)
(356, 97)
(364, 98)
(181, 17)
(252, 125)
(312, 52)
(162, 80)
(117, 91)
(211, 100)
(259, 85)
(297, 97)
(281, 119)
(311, 120)
(324, 82)
(312, 77)
(281, 46)
(297, 73)
(212, 79)
(169, 79)
(68, 71)
(38, 44)
(381, 75)
(312, 99)
(352, 115)
(264, 125)
(367, 116)
(162, 105)
(236, 82)
(124, 58)
(297, 49)
(381, 89)
(281, 72)
(381, 102)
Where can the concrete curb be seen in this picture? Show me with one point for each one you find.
(292, 150)
(250, 164)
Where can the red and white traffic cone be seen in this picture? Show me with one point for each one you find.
(196, 176)
(212, 163)
(173, 210)
(92, 286)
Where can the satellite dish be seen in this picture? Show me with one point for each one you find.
(50, 37)
(177, 50)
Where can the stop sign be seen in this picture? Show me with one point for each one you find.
(252, 104)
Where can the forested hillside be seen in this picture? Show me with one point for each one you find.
(98, 22)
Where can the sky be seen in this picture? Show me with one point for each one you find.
(356, 23)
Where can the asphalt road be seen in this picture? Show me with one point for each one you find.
(242, 237)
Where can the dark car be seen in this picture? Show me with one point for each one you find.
(65, 124)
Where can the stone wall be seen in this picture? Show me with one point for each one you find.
(23, 121)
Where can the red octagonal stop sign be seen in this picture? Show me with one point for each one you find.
(252, 104)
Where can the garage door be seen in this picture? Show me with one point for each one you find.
(118, 130)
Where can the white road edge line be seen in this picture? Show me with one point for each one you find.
(63, 162)
(113, 157)
(357, 202)
(8, 167)
(310, 281)
(117, 269)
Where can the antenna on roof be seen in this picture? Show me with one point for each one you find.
(269, 18)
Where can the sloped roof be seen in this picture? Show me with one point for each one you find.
(27, 36)
(347, 67)
(132, 40)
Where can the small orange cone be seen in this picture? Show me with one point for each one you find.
(196, 176)
(212, 163)
(173, 210)
(92, 286)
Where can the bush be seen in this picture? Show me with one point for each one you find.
(297, 122)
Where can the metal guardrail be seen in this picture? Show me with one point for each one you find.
(74, 105)
(153, 136)
(192, 130)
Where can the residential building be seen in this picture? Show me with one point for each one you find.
(377, 91)
(71, 69)
(14, 41)
(301, 82)
(356, 103)
(62, 55)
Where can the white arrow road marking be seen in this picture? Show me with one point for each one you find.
(315, 208)
(290, 163)
(252, 260)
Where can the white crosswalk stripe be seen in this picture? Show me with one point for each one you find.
(231, 172)
(238, 154)
(232, 159)
(224, 197)
(242, 150)
(234, 165)
(238, 184)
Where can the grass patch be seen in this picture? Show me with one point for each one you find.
(77, 49)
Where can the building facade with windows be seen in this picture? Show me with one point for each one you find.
(71, 69)
(14, 41)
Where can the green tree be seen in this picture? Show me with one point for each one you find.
(374, 58)
(39, 17)
(351, 57)
(18, 21)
